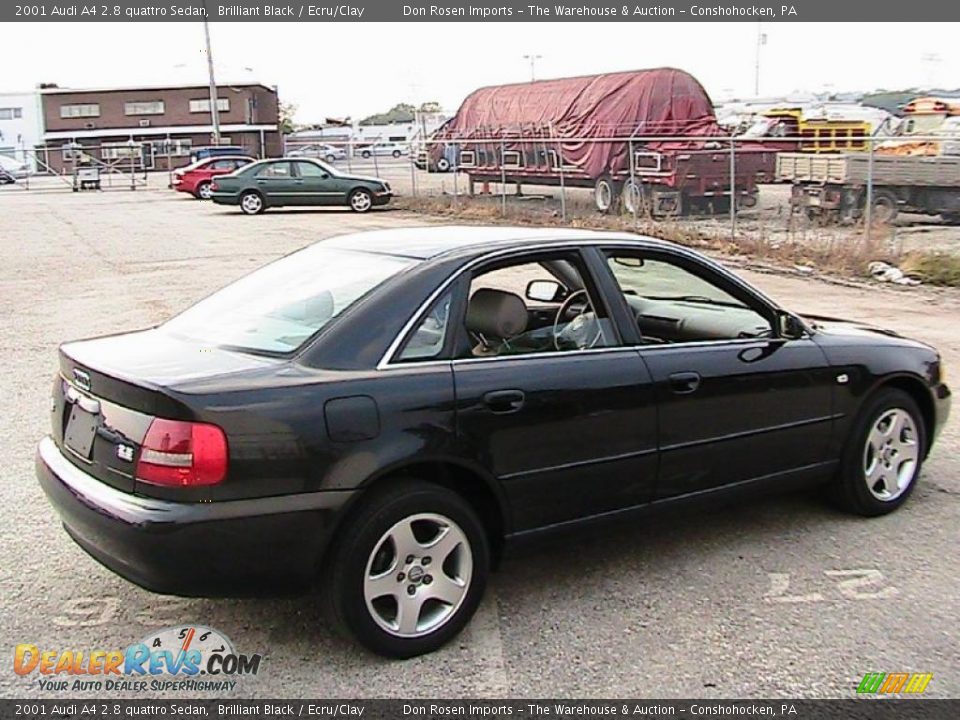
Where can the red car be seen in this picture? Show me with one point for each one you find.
(195, 179)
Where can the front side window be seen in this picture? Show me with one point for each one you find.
(534, 306)
(673, 304)
(311, 170)
(278, 308)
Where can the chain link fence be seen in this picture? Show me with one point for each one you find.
(740, 188)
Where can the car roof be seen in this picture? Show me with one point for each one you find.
(430, 241)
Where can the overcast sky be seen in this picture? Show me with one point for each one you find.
(340, 69)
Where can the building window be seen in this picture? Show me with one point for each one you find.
(120, 151)
(173, 147)
(10, 113)
(203, 106)
(152, 107)
(80, 111)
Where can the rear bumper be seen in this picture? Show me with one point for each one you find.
(258, 546)
(225, 198)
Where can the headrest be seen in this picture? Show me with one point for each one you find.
(495, 313)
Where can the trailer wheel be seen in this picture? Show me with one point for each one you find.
(606, 194)
(635, 199)
(885, 207)
(443, 165)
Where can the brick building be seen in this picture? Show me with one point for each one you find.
(155, 127)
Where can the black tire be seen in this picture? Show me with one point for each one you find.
(851, 489)
(330, 158)
(248, 206)
(885, 207)
(203, 188)
(397, 153)
(606, 195)
(365, 154)
(443, 165)
(359, 543)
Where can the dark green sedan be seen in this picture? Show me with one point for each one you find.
(303, 181)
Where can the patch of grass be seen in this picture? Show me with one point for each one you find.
(933, 268)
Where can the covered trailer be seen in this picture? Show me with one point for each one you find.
(648, 136)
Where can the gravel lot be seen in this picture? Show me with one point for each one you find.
(779, 597)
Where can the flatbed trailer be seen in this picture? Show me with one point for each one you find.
(834, 187)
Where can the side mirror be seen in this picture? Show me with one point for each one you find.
(324, 176)
(547, 291)
(790, 326)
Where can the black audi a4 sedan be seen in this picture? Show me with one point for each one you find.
(379, 414)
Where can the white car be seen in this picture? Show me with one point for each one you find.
(14, 167)
(320, 151)
(383, 150)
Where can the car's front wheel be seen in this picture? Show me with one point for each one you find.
(408, 570)
(251, 203)
(361, 200)
(883, 456)
(204, 191)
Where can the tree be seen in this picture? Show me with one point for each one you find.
(399, 113)
(286, 112)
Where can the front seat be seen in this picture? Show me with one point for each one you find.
(493, 318)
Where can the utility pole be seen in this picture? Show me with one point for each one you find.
(214, 107)
(533, 65)
(761, 41)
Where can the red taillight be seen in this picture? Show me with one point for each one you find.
(214, 186)
(182, 454)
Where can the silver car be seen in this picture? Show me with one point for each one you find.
(321, 151)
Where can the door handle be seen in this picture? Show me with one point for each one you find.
(684, 383)
(504, 401)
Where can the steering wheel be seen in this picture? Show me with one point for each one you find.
(579, 325)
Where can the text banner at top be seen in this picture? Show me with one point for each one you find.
(480, 11)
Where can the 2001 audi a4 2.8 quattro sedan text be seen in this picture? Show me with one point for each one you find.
(382, 412)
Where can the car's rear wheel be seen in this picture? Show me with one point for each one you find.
(361, 200)
(204, 191)
(396, 153)
(883, 455)
(251, 203)
(408, 570)
(330, 158)
(365, 154)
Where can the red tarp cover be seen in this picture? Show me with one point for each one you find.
(664, 102)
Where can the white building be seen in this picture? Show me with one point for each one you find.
(21, 128)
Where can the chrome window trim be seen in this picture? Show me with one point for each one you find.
(640, 243)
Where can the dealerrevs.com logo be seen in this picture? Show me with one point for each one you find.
(185, 657)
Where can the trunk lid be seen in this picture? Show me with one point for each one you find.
(110, 389)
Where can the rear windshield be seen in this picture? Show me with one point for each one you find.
(277, 308)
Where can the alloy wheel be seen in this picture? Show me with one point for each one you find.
(251, 203)
(418, 575)
(891, 454)
(204, 191)
(360, 201)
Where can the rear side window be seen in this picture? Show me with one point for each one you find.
(276, 170)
